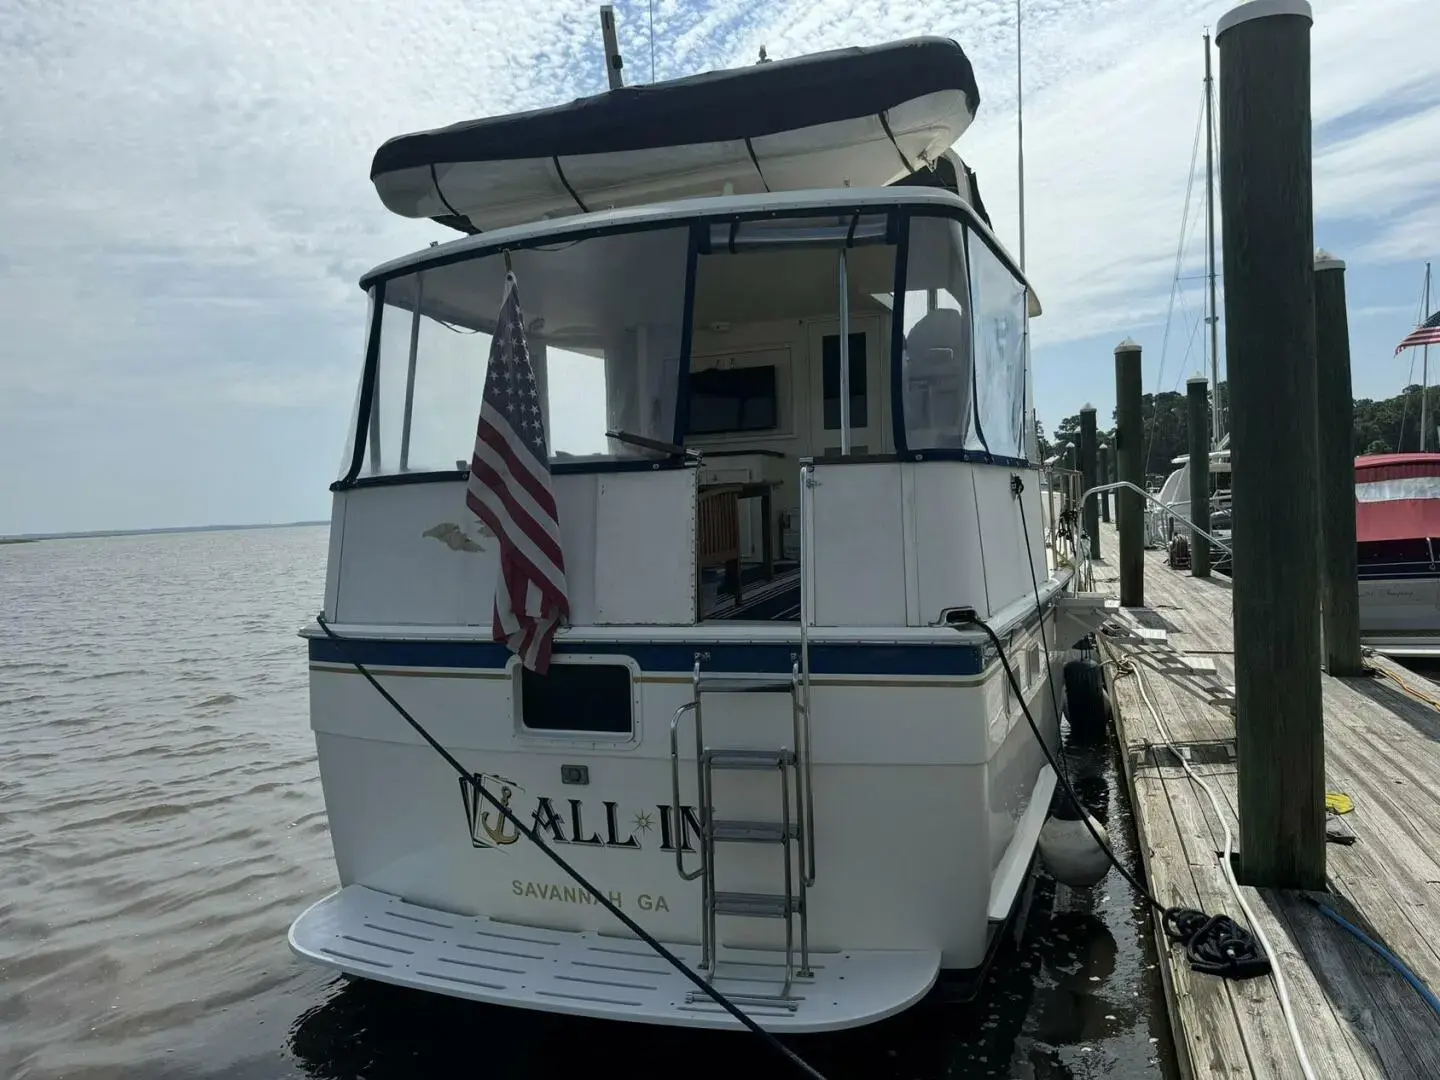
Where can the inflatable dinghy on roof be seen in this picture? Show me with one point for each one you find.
(858, 117)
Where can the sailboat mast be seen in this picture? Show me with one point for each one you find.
(1214, 319)
(1425, 366)
(1032, 434)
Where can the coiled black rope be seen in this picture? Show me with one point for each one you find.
(600, 898)
(1214, 944)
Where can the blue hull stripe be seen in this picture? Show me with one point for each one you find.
(960, 659)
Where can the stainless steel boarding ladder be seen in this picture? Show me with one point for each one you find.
(791, 833)
(795, 830)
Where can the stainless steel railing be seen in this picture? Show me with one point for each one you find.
(807, 600)
(1181, 518)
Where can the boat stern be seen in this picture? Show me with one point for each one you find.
(363, 932)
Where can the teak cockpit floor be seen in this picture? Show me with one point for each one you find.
(1356, 1014)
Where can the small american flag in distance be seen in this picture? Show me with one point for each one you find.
(1427, 333)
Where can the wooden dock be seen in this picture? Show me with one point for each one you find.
(1356, 1014)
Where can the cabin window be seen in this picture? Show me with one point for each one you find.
(998, 303)
(605, 348)
(963, 367)
(592, 698)
(936, 367)
(422, 416)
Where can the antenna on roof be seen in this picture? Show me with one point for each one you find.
(763, 58)
(1020, 133)
(613, 62)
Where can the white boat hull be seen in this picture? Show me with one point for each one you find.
(927, 816)
(1400, 617)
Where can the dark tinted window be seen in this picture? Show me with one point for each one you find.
(732, 399)
(577, 697)
(1394, 551)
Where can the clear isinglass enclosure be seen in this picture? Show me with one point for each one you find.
(633, 330)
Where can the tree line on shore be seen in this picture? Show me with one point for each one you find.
(1381, 427)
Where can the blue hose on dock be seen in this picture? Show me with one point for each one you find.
(1395, 962)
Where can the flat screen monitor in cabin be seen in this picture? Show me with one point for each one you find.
(726, 400)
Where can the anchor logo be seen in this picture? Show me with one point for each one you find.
(501, 832)
(497, 832)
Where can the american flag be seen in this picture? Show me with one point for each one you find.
(510, 492)
(1427, 333)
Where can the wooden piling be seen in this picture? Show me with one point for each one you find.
(1130, 467)
(1090, 514)
(1197, 401)
(1102, 470)
(1339, 586)
(1267, 213)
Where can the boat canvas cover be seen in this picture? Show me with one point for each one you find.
(1397, 497)
(863, 116)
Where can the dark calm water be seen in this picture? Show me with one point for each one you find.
(161, 823)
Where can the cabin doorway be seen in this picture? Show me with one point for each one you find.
(765, 392)
(868, 383)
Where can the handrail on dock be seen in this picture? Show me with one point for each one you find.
(1099, 488)
(1065, 482)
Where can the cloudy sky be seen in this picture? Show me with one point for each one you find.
(185, 204)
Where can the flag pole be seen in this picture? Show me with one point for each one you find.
(1425, 365)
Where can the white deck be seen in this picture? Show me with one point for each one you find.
(374, 935)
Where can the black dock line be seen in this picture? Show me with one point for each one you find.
(1214, 944)
(630, 924)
